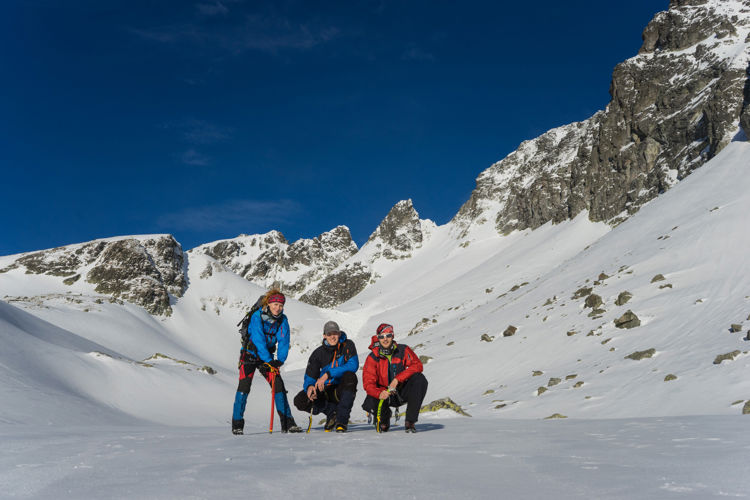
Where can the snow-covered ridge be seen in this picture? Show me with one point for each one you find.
(267, 259)
(146, 270)
(398, 237)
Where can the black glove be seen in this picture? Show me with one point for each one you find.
(276, 363)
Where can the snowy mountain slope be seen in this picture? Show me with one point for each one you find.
(71, 345)
(52, 376)
(695, 236)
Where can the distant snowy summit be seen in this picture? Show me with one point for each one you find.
(151, 271)
(143, 270)
(324, 271)
(396, 238)
(674, 106)
(269, 258)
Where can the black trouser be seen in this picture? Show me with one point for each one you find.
(248, 365)
(411, 392)
(337, 399)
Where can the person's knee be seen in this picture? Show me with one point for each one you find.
(420, 379)
(279, 385)
(302, 402)
(349, 381)
(369, 404)
(244, 385)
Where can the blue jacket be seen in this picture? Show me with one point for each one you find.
(333, 360)
(265, 334)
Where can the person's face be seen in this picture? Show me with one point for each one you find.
(332, 337)
(386, 339)
(275, 308)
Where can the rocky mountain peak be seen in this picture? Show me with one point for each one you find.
(144, 271)
(396, 237)
(687, 23)
(674, 106)
(269, 258)
(399, 232)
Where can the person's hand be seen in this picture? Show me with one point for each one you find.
(321, 382)
(392, 386)
(384, 395)
(312, 394)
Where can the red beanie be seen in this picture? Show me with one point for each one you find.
(384, 328)
(277, 297)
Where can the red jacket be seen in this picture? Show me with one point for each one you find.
(379, 372)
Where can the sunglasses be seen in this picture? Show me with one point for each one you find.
(386, 336)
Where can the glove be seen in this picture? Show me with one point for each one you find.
(276, 363)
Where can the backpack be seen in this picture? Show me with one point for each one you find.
(245, 322)
(247, 344)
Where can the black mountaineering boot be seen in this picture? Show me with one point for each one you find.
(238, 426)
(341, 427)
(409, 427)
(330, 423)
(288, 425)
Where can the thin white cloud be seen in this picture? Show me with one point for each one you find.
(262, 33)
(212, 9)
(194, 158)
(414, 53)
(199, 132)
(236, 215)
(203, 132)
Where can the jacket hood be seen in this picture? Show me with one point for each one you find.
(342, 339)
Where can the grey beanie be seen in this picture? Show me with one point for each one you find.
(331, 327)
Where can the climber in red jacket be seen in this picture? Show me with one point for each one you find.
(392, 376)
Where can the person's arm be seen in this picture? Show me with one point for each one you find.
(351, 361)
(370, 378)
(312, 372)
(255, 328)
(412, 365)
(282, 339)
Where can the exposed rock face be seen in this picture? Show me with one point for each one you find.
(399, 233)
(674, 106)
(339, 286)
(141, 271)
(269, 258)
(61, 261)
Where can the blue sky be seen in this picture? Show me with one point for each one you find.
(209, 119)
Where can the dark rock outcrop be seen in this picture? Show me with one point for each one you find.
(628, 320)
(399, 233)
(674, 106)
(142, 271)
(339, 286)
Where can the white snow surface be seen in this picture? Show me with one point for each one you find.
(88, 411)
